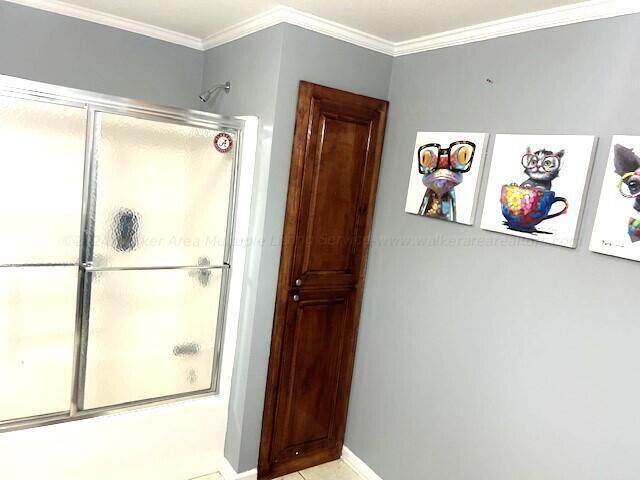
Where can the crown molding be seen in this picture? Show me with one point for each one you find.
(244, 28)
(292, 16)
(554, 17)
(90, 15)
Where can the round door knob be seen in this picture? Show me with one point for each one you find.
(299, 282)
(296, 298)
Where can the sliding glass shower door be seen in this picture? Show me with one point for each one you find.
(42, 158)
(114, 254)
(159, 212)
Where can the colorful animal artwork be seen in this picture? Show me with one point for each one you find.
(526, 205)
(627, 165)
(617, 227)
(442, 170)
(546, 204)
(445, 175)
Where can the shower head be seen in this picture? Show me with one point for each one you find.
(206, 96)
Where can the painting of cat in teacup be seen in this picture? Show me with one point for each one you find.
(537, 186)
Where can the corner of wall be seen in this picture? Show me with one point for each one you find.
(265, 69)
(253, 65)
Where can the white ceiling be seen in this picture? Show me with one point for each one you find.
(393, 20)
(390, 26)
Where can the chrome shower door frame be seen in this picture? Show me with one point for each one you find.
(96, 104)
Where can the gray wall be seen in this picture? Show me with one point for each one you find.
(252, 64)
(52, 48)
(298, 54)
(499, 382)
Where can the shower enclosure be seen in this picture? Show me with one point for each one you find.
(116, 225)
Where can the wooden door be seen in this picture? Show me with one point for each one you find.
(332, 186)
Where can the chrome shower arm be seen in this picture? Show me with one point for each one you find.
(206, 96)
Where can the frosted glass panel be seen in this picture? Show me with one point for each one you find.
(37, 321)
(41, 171)
(151, 334)
(162, 195)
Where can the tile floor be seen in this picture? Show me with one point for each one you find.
(330, 471)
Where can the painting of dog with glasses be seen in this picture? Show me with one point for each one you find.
(617, 227)
(445, 175)
(537, 186)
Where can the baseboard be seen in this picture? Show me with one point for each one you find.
(348, 457)
(228, 473)
(358, 465)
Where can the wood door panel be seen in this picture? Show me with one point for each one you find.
(332, 250)
(334, 195)
(319, 331)
(334, 171)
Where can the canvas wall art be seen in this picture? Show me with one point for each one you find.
(537, 186)
(617, 227)
(446, 168)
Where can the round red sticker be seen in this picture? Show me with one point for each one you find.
(223, 142)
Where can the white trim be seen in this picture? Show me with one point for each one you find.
(244, 28)
(228, 473)
(90, 15)
(554, 17)
(358, 465)
(292, 16)
(348, 457)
